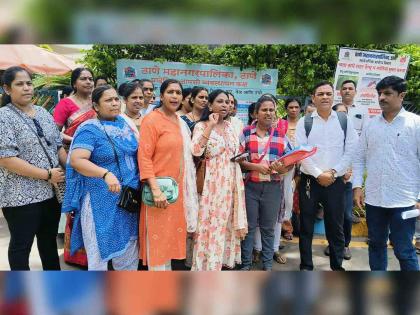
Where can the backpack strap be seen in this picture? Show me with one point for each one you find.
(342, 118)
(309, 121)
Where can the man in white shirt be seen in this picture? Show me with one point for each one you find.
(322, 175)
(348, 92)
(389, 151)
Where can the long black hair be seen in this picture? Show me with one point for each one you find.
(8, 77)
(251, 111)
(212, 96)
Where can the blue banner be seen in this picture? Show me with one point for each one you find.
(247, 85)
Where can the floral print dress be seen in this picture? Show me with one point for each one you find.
(222, 204)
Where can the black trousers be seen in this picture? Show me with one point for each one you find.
(332, 198)
(25, 222)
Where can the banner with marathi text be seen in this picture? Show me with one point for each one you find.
(246, 85)
(367, 68)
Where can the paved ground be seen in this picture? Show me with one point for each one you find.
(291, 250)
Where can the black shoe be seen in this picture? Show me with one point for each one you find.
(267, 269)
(327, 251)
(347, 253)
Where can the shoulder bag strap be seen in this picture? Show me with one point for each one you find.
(113, 149)
(36, 134)
(267, 145)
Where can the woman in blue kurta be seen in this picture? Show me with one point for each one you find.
(94, 183)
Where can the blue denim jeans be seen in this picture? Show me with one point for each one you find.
(262, 208)
(383, 221)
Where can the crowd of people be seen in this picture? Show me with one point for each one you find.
(144, 184)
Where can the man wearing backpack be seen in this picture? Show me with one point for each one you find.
(322, 174)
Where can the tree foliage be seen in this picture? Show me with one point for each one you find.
(299, 66)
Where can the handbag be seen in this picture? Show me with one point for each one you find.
(59, 188)
(130, 197)
(167, 185)
(200, 166)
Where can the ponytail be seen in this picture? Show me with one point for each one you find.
(5, 99)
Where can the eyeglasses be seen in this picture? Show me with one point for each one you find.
(40, 132)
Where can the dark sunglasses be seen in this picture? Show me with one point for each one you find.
(40, 132)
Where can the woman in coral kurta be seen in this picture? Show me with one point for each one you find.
(222, 215)
(162, 147)
(143, 293)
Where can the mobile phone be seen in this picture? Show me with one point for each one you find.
(239, 156)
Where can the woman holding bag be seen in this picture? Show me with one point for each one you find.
(29, 143)
(103, 160)
(165, 151)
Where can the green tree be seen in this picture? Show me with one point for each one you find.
(299, 66)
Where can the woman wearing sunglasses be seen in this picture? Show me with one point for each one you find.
(30, 154)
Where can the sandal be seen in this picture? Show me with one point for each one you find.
(288, 236)
(279, 258)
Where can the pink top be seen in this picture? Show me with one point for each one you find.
(64, 109)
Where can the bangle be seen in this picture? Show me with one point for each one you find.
(49, 174)
(205, 137)
(161, 193)
(106, 173)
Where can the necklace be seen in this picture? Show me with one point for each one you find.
(192, 117)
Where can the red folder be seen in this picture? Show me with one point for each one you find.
(298, 154)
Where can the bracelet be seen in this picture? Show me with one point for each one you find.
(205, 137)
(106, 173)
(49, 174)
(161, 193)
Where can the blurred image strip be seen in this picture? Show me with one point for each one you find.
(223, 293)
(185, 21)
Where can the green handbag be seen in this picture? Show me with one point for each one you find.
(167, 185)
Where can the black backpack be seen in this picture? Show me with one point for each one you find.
(342, 118)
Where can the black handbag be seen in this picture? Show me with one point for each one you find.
(130, 197)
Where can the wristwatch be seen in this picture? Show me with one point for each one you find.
(334, 172)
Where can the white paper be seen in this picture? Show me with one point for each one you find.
(410, 214)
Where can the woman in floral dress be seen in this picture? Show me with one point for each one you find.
(222, 216)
